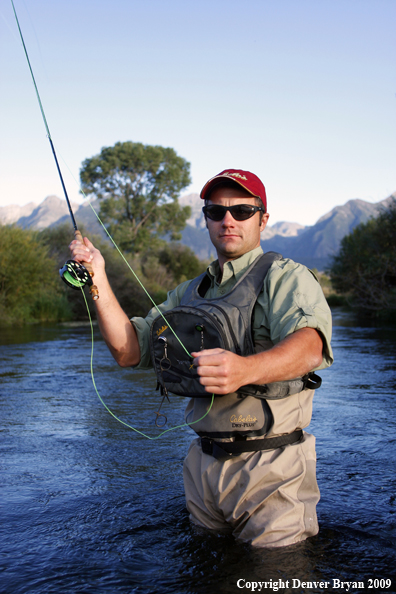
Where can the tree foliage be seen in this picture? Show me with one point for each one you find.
(165, 267)
(29, 290)
(138, 187)
(365, 267)
(129, 294)
(159, 269)
(181, 262)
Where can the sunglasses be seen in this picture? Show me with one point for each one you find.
(240, 212)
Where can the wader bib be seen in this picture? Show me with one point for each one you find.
(223, 322)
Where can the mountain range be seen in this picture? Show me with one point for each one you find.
(312, 245)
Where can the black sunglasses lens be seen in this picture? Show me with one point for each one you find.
(216, 213)
(240, 212)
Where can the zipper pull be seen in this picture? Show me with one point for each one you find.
(201, 328)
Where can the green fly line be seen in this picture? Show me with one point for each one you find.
(77, 282)
(136, 277)
(97, 391)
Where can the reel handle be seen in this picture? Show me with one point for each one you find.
(94, 289)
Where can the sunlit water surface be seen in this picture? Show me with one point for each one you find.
(90, 506)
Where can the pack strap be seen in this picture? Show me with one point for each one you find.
(312, 381)
(230, 449)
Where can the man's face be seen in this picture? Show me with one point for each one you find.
(233, 238)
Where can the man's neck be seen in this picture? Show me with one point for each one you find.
(222, 258)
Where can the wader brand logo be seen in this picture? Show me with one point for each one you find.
(161, 330)
(243, 421)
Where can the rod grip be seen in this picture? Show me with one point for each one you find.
(87, 265)
(94, 289)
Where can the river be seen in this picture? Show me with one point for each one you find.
(90, 506)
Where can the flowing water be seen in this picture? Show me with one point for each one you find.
(87, 505)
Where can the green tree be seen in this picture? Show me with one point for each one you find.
(138, 187)
(365, 267)
(29, 290)
(160, 269)
(129, 293)
(167, 266)
(181, 262)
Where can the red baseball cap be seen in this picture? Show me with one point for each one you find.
(250, 182)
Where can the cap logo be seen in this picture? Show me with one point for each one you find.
(238, 175)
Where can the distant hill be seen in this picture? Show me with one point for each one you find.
(311, 245)
(316, 245)
(12, 214)
(49, 213)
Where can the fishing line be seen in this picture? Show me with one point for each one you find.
(110, 411)
(77, 275)
(72, 273)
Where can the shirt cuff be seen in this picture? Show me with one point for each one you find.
(143, 332)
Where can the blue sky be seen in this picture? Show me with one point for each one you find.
(302, 93)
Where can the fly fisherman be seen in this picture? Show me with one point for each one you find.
(251, 470)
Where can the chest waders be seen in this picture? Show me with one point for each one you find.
(222, 322)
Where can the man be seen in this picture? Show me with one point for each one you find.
(254, 478)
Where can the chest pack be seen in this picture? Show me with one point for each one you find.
(223, 322)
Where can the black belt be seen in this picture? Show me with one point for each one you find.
(229, 449)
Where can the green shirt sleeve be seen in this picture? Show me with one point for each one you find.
(292, 299)
(143, 325)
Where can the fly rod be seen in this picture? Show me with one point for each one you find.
(73, 273)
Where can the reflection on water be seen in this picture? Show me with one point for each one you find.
(90, 506)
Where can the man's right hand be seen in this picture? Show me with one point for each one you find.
(114, 324)
(87, 252)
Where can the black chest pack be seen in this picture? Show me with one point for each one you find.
(223, 322)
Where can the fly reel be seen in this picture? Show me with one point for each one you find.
(76, 276)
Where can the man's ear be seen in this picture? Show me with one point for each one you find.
(264, 221)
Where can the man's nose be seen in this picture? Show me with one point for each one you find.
(228, 219)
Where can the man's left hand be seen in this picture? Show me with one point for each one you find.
(220, 371)
(223, 372)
